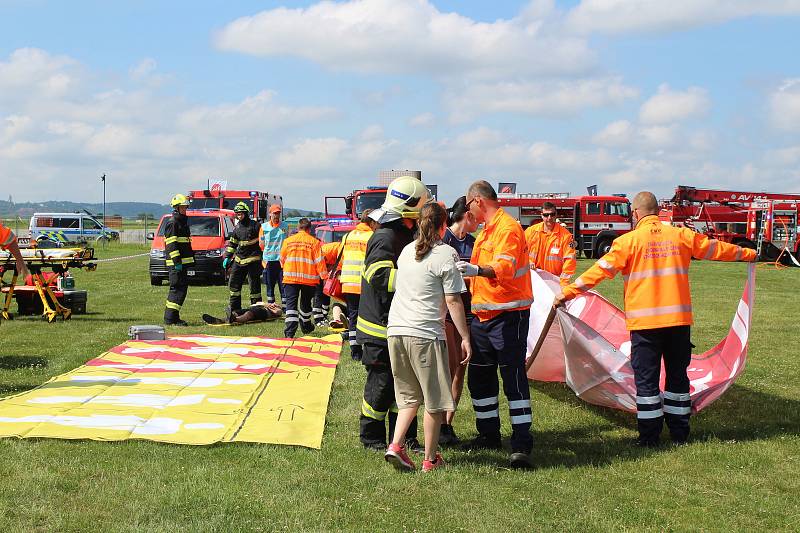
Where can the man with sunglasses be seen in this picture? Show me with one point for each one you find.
(551, 246)
(501, 301)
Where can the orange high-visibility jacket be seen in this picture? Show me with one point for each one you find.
(7, 237)
(301, 259)
(355, 250)
(551, 251)
(654, 260)
(330, 251)
(501, 245)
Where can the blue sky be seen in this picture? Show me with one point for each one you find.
(306, 98)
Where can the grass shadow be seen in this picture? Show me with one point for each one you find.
(15, 362)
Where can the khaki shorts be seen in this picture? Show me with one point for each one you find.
(421, 373)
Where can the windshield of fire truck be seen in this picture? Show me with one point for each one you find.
(200, 227)
(621, 209)
(369, 200)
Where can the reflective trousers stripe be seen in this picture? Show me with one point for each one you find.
(519, 404)
(521, 419)
(173, 305)
(369, 412)
(649, 414)
(677, 396)
(674, 410)
(487, 414)
(483, 402)
(648, 400)
(247, 260)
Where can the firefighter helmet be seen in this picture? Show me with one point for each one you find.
(179, 199)
(405, 196)
(241, 207)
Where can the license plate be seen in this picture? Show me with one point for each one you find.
(190, 272)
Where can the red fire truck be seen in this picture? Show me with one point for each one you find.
(355, 203)
(594, 221)
(258, 201)
(721, 214)
(772, 225)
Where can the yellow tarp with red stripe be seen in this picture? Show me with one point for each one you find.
(194, 389)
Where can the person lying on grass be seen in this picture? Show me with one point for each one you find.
(258, 312)
(427, 282)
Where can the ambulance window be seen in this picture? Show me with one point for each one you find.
(617, 208)
(204, 226)
(593, 208)
(44, 222)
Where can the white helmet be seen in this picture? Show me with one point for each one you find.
(405, 196)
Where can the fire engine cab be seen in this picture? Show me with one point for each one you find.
(594, 221)
(355, 203)
(772, 225)
(215, 198)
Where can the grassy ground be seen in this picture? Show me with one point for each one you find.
(740, 472)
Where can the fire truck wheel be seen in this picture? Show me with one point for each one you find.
(602, 248)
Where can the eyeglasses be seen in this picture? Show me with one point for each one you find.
(470, 202)
(548, 215)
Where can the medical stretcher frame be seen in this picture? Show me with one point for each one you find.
(59, 260)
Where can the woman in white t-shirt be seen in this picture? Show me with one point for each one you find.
(428, 284)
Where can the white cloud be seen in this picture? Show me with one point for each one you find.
(668, 106)
(311, 155)
(34, 72)
(621, 16)
(784, 105)
(616, 134)
(387, 36)
(545, 98)
(143, 69)
(422, 120)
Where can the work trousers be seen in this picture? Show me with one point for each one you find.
(298, 308)
(178, 286)
(501, 341)
(238, 273)
(648, 348)
(273, 275)
(378, 403)
(322, 304)
(352, 319)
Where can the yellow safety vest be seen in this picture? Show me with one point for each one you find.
(355, 249)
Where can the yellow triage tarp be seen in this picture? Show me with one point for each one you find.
(195, 389)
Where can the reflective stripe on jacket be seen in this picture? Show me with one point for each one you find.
(243, 243)
(551, 251)
(177, 240)
(271, 239)
(654, 261)
(501, 245)
(301, 259)
(7, 237)
(355, 250)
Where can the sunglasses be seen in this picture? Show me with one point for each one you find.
(470, 202)
(548, 215)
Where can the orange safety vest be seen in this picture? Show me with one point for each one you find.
(7, 237)
(502, 246)
(654, 260)
(551, 251)
(301, 259)
(355, 250)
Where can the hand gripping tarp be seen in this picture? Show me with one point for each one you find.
(588, 347)
(194, 389)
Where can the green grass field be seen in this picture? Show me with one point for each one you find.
(740, 472)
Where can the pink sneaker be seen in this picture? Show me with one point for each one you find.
(427, 466)
(397, 455)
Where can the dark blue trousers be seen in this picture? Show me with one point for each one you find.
(352, 318)
(648, 348)
(501, 342)
(273, 275)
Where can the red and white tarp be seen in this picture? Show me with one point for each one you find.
(588, 347)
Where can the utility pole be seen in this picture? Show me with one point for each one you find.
(103, 179)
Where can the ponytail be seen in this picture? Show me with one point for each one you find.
(431, 219)
(458, 211)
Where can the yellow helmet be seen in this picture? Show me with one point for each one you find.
(405, 197)
(179, 199)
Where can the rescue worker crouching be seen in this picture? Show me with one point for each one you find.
(303, 268)
(179, 255)
(397, 218)
(654, 261)
(501, 301)
(244, 254)
(355, 249)
(550, 245)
